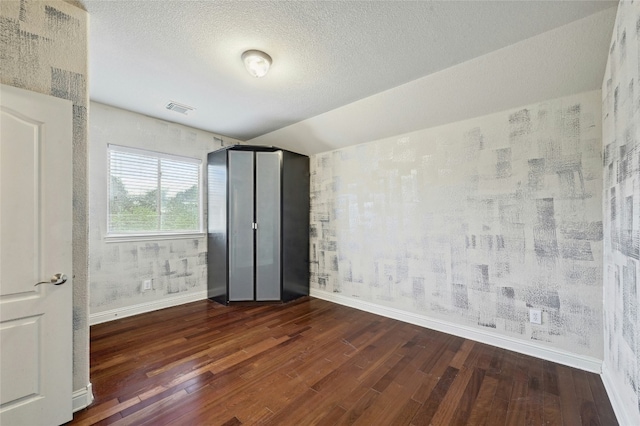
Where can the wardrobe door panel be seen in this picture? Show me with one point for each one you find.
(268, 202)
(217, 226)
(241, 226)
(295, 226)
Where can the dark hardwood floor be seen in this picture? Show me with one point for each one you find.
(314, 362)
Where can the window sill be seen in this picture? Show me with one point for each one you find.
(124, 238)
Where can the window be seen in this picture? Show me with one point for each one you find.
(152, 193)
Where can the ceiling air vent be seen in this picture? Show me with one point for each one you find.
(181, 108)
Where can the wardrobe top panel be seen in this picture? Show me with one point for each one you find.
(254, 148)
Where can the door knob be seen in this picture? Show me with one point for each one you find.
(57, 279)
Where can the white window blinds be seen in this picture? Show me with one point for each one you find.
(150, 192)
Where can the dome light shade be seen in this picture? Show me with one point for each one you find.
(256, 62)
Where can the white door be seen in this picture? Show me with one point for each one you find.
(35, 244)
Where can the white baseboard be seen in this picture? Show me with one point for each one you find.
(82, 398)
(625, 417)
(582, 362)
(141, 308)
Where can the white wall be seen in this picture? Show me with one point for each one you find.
(471, 223)
(44, 49)
(621, 121)
(178, 266)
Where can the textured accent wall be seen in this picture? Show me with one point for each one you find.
(621, 140)
(118, 267)
(43, 48)
(472, 222)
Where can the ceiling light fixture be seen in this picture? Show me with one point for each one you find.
(256, 62)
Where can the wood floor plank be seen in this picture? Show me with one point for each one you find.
(233, 421)
(552, 411)
(447, 408)
(486, 355)
(516, 414)
(390, 375)
(550, 378)
(505, 385)
(462, 354)
(601, 400)
(106, 410)
(368, 378)
(295, 413)
(512, 368)
(311, 362)
(439, 354)
(323, 408)
(335, 413)
(359, 408)
(499, 410)
(387, 405)
(403, 386)
(468, 398)
(209, 412)
(429, 382)
(153, 411)
(535, 398)
(349, 368)
(568, 400)
(406, 413)
(432, 404)
(474, 356)
(589, 414)
(482, 405)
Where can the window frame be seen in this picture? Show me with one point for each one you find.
(156, 234)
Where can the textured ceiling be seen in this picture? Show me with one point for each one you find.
(326, 54)
(565, 61)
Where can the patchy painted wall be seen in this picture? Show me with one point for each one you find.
(43, 48)
(621, 140)
(177, 266)
(472, 222)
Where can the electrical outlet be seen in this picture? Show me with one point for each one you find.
(146, 285)
(535, 316)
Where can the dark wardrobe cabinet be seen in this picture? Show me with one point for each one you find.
(258, 224)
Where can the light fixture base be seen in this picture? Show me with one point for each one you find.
(256, 62)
